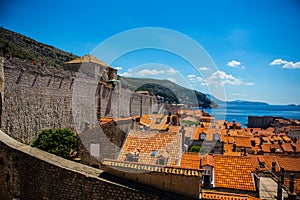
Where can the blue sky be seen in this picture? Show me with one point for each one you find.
(254, 45)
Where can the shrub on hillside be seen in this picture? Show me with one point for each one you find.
(59, 142)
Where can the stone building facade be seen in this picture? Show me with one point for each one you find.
(36, 97)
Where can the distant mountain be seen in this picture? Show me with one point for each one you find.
(28, 49)
(236, 102)
(170, 91)
(242, 102)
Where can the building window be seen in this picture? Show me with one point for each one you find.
(202, 136)
(129, 157)
(216, 137)
(161, 161)
(153, 153)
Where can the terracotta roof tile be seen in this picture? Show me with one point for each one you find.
(286, 138)
(207, 159)
(269, 148)
(147, 141)
(155, 122)
(289, 163)
(174, 129)
(209, 131)
(296, 146)
(190, 160)
(287, 147)
(209, 194)
(233, 172)
(242, 142)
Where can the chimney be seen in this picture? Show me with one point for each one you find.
(280, 182)
(292, 195)
(292, 182)
(234, 147)
(273, 166)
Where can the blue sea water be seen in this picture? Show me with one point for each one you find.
(240, 112)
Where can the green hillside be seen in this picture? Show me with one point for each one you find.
(171, 92)
(28, 49)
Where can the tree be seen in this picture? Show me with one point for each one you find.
(59, 142)
(195, 149)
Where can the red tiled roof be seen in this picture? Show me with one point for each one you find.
(145, 119)
(286, 138)
(287, 147)
(174, 129)
(242, 142)
(266, 148)
(266, 162)
(209, 194)
(233, 172)
(289, 163)
(147, 141)
(155, 122)
(207, 160)
(296, 146)
(228, 139)
(190, 160)
(186, 112)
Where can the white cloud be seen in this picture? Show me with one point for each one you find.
(249, 83)
(234, 63)
(145, 72)
(291, 65)
(191, 77)
(172, 79)
(118, 68)
(220, 77)
(239, 94)
(203, 68)
(285, 64)
(171, 71)
(200, 79)
(126, 74)
(278, 62)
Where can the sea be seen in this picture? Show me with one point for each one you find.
(240, 112)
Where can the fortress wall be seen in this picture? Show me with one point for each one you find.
(29, 173)
(35, 100)
(121, 102)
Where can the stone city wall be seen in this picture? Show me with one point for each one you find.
(43, 97)
(29, 173)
